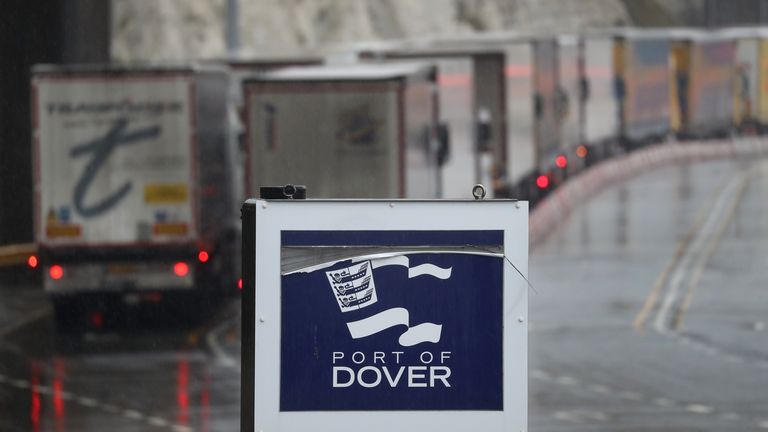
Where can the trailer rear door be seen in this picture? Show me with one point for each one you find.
(114, 159)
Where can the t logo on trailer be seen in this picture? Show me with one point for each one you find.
(100, 149)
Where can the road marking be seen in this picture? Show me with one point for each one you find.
(28, 319)
(540, 374)
(693, 250)
(599, 388)
(581, 416)
(684, 407)
(661, 280)
(64, 395)
(730, 416)
(212, 339)
(699, 409)
(566, 380)
(630, 395)
(133, 414)
(19, 383)
(93, 403)
(664, 402)
(157, 421)
(704, 259)
(88, 402)
(112, 409)
(44, 390)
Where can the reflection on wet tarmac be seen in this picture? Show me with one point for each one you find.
(120, 381)
(622, 216)
(591, 369)
(585, 230)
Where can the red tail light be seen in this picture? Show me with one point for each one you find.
(32, 261)
(203, 256)
(181, 269)
(239, 284)
(542, 181)
(56, 272)
(561, 161)
(581, 151)
(97, 319)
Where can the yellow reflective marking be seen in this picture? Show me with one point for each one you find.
(170, 228)
(166, 193)
(56, 230)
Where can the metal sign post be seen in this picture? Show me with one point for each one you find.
(387, 315)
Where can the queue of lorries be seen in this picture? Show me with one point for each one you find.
(139, 170)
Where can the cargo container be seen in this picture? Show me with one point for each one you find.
(550, 103)
(703, 66)
(642, 86)
(240, 68)
(133, 180)
(569, 92)
(344, 131)
(470, 107)
(535, 107)
(750, 94)
(600, 108)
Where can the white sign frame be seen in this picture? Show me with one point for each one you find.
(270, 217)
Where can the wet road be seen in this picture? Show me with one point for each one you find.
(649, 314)
(171, 379)
(651, 306)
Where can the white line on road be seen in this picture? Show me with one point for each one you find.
(157, 421)
(19, 383)
(599, 388)
(212, 339)
(44, 390)
(699, 409)
(695, 249)
(93, 403)
(28, 318)
(66, 395)
(630, 395)
(88, 402)
(133, 414)
(730, 416)
(566, 380)
(664, 402)
(112, 409)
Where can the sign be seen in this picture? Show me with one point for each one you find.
(392, 314)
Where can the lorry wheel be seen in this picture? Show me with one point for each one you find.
(67, 315)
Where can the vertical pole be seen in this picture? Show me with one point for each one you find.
(232, 27)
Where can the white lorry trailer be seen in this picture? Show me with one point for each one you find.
(344, 131)
(133, 181)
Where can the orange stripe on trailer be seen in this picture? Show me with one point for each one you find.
(454, 80)
(170, 228)
(596, 71)
(517, 71)
(63, 230)
(16, 254)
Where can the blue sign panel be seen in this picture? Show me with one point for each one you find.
(415, 326)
